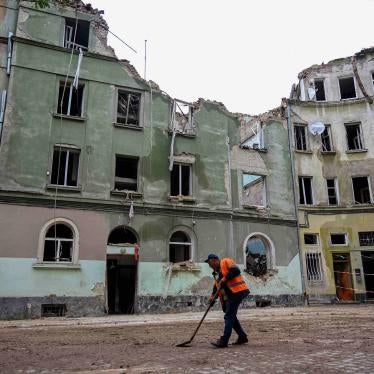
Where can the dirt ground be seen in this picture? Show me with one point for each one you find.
(320, 339)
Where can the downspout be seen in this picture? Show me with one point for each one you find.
(294, 195)
(231, 253)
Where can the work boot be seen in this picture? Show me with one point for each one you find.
(219, 344)
(241, 340)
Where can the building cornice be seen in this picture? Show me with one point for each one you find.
(327, 104)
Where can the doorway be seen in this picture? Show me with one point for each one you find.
(343, 276)
(368, 268)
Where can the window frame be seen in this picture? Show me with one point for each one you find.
(324, 90)
(192, 242)
(318, 254)
(264, 193)
(303, 187)
(69, 89)
(129, 90)
(359, 238)
(137, 191)
(339, 233)
(329, 132)
(76, 46)
(369, 185)
(336, 189)
(354, 85)
(359, 125)
(311, 233)
(190, 166)
(307, 145)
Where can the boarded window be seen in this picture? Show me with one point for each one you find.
(338, 239)
(256, 256)
(300, 138)
(126, 175)
(326, 139)
(180, 180)
(366, 238)
(70, 99)
(76, 34)
(65, 167)
(254, 192)
(332, 191)
(314, 267)
(305, 191)
(179, 247)
(58, 244)
(354, 137)
(361, 190)
(128, 108)
(347, 88)
(320, 90)
(311, 239)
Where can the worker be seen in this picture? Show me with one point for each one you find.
(232, 290)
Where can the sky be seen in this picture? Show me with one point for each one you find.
(243, 53)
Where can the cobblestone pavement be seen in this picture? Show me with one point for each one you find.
(323, 339)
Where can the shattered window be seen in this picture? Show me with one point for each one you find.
(305, 191)
(366, 238)
(347, 88)
(354, 137)
(179, 247)
(58, 244)
(326, 139)
(180, 180)
(254, 192)
(361, 190)
(256, 256)
(300, 138)
(126, 177)
(128, 108)
(183, 118)
(320, 90)
(70, 99)
(314, 267)
(65, 167)
(76, 34)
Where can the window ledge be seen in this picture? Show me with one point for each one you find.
(305, 152)
(185, 266)
(356, 151)
(131, 194)
(182, 199)
(180, 133)
(73, 118)
(64, 188)
(56, 265)
(254, 207)
(326, 153)
(132, 127)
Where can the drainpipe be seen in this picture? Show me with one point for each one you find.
(2, 110)
(294, 193)
(232, 253)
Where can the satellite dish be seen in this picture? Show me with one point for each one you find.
(316, 128)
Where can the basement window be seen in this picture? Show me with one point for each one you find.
(126, 174)
(179, 247)
(305, 191)
(254, 191)
(314, 267)
(361, 190)
(310, 239)
(332, 191)
(76, 34)
(70, 99)
(354, 137)
(58, 244)
(366, 238)
(180, 180)
(347, 88)
(300, 138)
(53, 310)
(326, 139)
(65, 167)
(128, 108)
(320, 90)
(338, 239)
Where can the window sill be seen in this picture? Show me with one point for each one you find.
(356, 151)
(305, 152)
(131, 127)
(64, 188)
(56, 265)
(185, 266)
(131, 194)
(254, 207)
(180, 133)
(182, 199)
(327, 153)
(72, 118)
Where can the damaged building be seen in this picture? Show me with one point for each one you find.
(331, 118)
(113, 193)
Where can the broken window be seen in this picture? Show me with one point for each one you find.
(320, 89)
(347, 88)
(180, 180)
(354, 137)
(58, 244)
(305, 191)
(179, 247)
(128, 108)
(326, 139)
(76, 34)
(256, 139)
(300, 138)
(70, 99)
(256, 251)
(314, 267)
(126, 174)
(183, 118)
(366, 238)
(122, 235)
(311, 239)
(65, 167)
(338, 239)
(254, 191)
(332, 191)
(361, 190)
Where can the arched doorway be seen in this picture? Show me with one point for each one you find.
(122, 266)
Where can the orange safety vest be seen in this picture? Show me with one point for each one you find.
(236, 284)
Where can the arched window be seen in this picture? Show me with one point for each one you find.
(58, 244)
(122, 235)
(258, 255)
(179, 247)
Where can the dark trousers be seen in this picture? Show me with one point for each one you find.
(231, 320)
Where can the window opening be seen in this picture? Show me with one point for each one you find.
(332, 191)
(126, 174)
(180, 180)
(128, 108)
(254, 191)
(338, 239)
(347, 88)
(361, 190)
(256, 256)
(65, 167)
(326, 139)
(314, 267)
(183, 118)
(53, 310)
(300, 138)
(311, 239)
(320, 90)
(72, 103)
(179, 247)
(354, 137)
(81, 34)
(58, 244)
(366, 238)
(256, 139)
(305, 191)
(122, 235)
